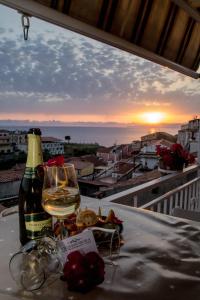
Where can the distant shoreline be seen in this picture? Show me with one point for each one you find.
(80, 124)
(105, 136)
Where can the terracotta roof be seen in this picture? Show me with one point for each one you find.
(94, 182)
(11, 175)
(164, 143)
(165, 32)
(79, 164)
(105, 149)
(122, 185)
(123, 167)
(93, 159)
(140, 179)
(158, 136)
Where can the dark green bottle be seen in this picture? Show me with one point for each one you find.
(32, 217)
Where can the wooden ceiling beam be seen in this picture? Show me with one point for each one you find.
(107, 13)
(111, 15)
(185, 41)
(66, 6)
(102, 15)
(194, 3)
(168, 25)
(196, 61)
(192, 12)
(54, 4)
(141, 20)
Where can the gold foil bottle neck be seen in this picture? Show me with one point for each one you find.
(34, 157)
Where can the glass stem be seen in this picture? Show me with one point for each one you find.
(63, 230)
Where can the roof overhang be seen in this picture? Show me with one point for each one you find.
(165, 32)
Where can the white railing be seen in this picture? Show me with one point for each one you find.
(143, 193)
(186, 196)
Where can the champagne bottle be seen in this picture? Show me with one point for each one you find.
(32, 217)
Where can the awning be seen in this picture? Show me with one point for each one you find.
(163, 31)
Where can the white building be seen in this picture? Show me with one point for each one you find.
(53, 145)
(13, 140)
(136, 146)
(5, 142)
(22, 147)
(188, 135)
(18, 137)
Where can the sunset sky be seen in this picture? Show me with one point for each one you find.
(60, 75)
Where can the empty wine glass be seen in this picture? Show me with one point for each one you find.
(37, 264)
(60, 195)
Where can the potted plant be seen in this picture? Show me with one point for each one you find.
(174, 158)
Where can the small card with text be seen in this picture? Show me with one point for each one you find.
(83, 242)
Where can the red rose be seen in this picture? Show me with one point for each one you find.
(56, 161)
(176, 148)
(191, 158)
(96, 267)
(168, 160)
(175, 157)
(83, 272)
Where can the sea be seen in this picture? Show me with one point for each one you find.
(104, 136)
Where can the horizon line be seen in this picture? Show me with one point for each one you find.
(83, 123)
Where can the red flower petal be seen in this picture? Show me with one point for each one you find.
(93, 258)
(75, 255)
(83, 272)
(56, 161)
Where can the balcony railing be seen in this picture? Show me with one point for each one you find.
(155, 190)
(186, 196)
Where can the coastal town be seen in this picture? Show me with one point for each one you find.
(101, 171)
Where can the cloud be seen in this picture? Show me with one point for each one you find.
(173, 82)
(58, 71)
(51, 99)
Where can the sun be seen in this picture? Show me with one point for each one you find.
(152, 117)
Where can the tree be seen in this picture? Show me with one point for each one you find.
(46, 155)
(21, 157)
(68, 138)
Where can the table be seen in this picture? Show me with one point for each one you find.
(159, 260)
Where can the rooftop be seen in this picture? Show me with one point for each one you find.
(123, 167)
(105, 149)
(49, 139)
(163, 142)
(11, 175)
(158, 136)
(79, 164)
(93, 159)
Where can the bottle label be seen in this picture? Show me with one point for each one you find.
(35, 223)
(30, 173)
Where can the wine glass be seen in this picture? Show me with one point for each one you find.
(37, 264)
(60, 194)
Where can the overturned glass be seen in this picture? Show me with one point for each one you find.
(37, 264)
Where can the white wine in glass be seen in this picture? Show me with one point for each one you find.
(60, 194)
